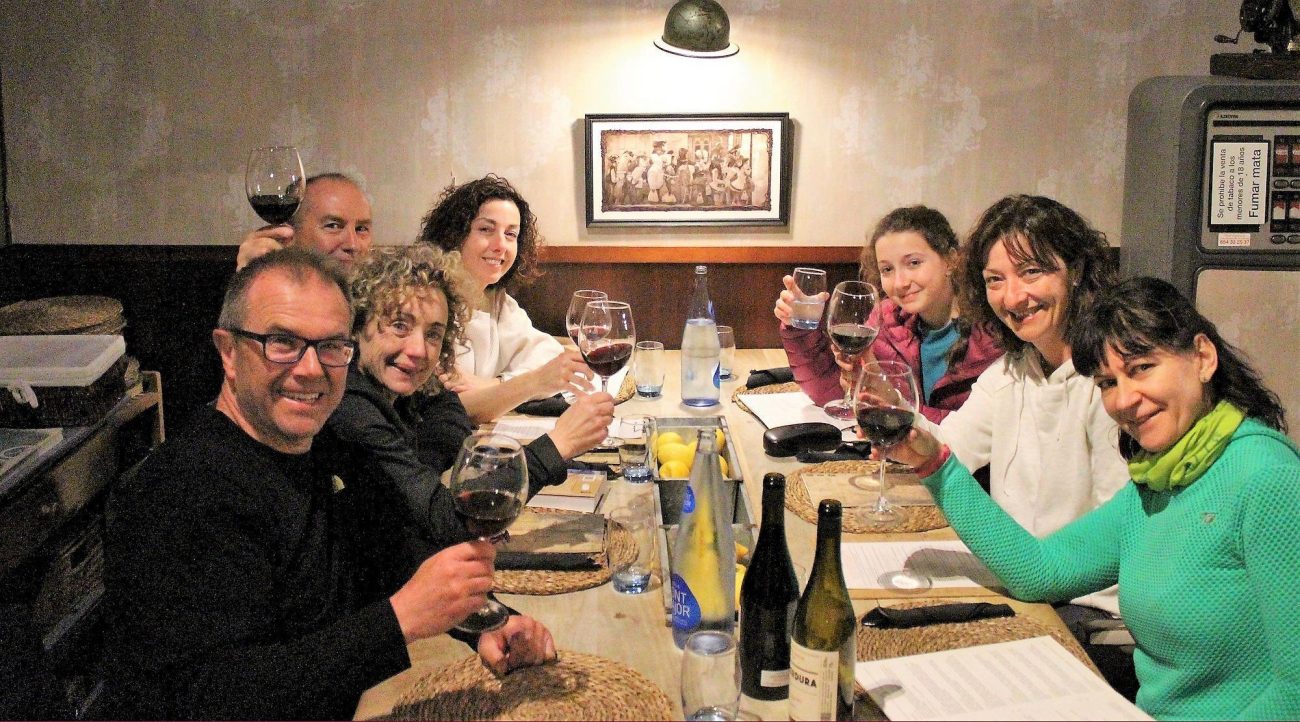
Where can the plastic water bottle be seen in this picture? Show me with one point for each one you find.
(700, 349)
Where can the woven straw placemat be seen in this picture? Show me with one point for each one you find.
(620, 548)
(887, 643)
(577, 687)
(915, 518)
(62, 315)
(736, 396)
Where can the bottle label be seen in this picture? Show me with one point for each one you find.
(774, 677)
(686, 610)
(814, 683)
(688, 501)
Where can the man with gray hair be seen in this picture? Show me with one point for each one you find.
(333, 218)
(237, 573)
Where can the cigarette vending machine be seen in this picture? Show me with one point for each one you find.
(1212, 205)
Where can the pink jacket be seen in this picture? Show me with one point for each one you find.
(813, 361)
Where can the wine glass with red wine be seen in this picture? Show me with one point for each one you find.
(885, 403)
(275, 182)
(606, 337)
(578, 305)
(850, 332)
(489, 483)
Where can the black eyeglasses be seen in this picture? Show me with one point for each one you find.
(285, 348)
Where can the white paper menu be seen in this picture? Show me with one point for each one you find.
(792, 407)
(1028, 679)
(948, 564)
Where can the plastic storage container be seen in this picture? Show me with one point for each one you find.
(59, 380)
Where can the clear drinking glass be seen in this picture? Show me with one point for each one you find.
(648, 369)
(633, 448)
(726, 351)
(488, 483)
(851, 334)
(636, 514)
(811, 283)
(710, 677)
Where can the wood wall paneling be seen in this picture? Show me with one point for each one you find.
(171, 294)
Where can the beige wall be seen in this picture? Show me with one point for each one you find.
(129, 122)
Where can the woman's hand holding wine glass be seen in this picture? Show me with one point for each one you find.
(606, 337)
(847, 324)
(489, 483)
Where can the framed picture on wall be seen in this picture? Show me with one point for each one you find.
(715, 169)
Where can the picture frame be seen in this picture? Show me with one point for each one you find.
(698, 169)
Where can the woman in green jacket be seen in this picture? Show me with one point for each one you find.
(1204, 543)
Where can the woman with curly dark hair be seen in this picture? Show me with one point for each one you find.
(504, 359)
(1032, 269)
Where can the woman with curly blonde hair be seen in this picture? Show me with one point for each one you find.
(412, 305)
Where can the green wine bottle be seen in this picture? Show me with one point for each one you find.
(822, 643)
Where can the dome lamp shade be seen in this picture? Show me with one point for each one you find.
(697, 29)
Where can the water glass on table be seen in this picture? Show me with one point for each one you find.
(648, 369)
(635, 512)
(807, 312)
(633, 447)
(726, 351)
(710, 677)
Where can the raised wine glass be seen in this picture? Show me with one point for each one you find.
(577, 305)
(606, 336)
(275, 182)
(847, 325)
(489, 483)
(885, 399)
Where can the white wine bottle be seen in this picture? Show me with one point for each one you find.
(822, 643)
(704, 554)
(768, 598)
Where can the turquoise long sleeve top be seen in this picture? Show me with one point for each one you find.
(1209, 575)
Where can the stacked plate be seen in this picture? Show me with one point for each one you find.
(93, 315)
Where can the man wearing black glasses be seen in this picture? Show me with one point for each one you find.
(238, 583)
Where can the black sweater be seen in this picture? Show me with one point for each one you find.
(238, 583)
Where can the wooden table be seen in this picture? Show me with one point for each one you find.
(631, 629)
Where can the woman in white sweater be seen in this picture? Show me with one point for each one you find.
(505, 360)
(1032, 267)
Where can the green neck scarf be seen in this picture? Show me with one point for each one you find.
(1192, 455)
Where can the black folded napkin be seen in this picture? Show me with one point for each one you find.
(889, 618)
(846, 451)
(547, 561)
(552, 406)
(766, 377)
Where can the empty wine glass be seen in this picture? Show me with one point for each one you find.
(275, 182)
(488, 482)
(851, 334)
(606, 336)
(577, 305)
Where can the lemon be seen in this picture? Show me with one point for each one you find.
(740, 579)
(741, 551)
(674, 470)
(721, 439)
(676, 452)
(668, 437)
(723, 463)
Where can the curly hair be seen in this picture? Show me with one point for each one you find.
(1140, 315)
(448, 223)
(392, 275)
(934, 227)
(1046, 232)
